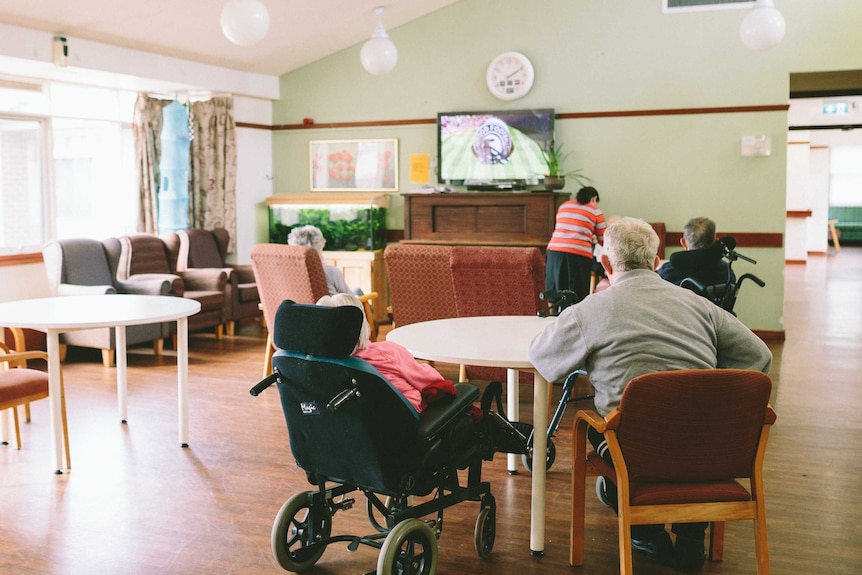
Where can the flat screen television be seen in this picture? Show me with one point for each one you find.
(493, 147)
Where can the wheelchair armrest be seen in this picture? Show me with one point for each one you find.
(440, 413)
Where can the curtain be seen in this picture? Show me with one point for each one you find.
(147, 126)
(212, 191)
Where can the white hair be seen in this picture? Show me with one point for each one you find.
(340, 299)
(631, 244)
(309, 236)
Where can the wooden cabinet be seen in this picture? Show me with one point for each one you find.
(364, 270)
(482, 218)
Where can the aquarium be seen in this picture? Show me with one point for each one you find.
(349, 222)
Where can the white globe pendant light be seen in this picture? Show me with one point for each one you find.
(763, 27)
(379, 55)
(244, 22)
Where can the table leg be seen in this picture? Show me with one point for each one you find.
(122, 378)
(183, 378)
(54, 391)
(513, 412)
(540, 448)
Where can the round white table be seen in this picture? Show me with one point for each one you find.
(55, 315)
(493, 341)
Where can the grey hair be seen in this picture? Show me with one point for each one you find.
(631, 244)
(306, 236)
(340, 299)
(699, 233)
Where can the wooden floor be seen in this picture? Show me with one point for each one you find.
(137, 503)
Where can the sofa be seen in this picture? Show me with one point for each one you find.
(849, 223)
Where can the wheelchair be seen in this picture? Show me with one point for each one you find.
(726, 293)
(355, 434)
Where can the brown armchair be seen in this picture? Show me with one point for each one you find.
(208, 249)
(680, 441)
(420, 283)
(147, 256)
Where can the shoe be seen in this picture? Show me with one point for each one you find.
(688, 554)
(659, 548)
(602, 493)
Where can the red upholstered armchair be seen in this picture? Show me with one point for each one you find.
(420, 282)
(490, 280)
(148, 256)
(680, 441)
(207, 249)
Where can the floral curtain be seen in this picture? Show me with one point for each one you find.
(212, 191)
(147, 126)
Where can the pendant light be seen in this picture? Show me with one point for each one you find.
(763, 27)
(244, 22)
(379, 55)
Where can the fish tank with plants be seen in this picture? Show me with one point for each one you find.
(349, 222)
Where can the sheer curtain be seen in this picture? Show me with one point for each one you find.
(212, 201)
(212, 190)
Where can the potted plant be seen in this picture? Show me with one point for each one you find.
(555, 177)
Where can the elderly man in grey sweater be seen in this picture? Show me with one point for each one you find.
(643, 324)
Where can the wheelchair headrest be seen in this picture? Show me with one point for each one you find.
(701, 258)
(316, 329)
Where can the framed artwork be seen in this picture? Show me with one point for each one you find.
(673, 6)
(346, 165)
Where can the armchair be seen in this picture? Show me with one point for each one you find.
(679, 441)
(490, 280)
(285, 272)
(208, 249)
(83, 266)
(19, 385)
(145, 256)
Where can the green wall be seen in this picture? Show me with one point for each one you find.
(599, 56)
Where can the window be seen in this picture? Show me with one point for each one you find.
(845, 176)
(66, 163)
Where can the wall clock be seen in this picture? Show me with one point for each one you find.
(510, 76)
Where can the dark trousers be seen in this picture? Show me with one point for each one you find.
(565, 271)
(687, 530)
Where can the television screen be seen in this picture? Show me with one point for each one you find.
(505, 146)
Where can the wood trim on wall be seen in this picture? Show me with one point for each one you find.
(20, 259)
(562, 116)
(743, 239)
(799, 213)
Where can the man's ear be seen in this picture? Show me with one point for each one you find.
(606, 263)
(656, 263)
(682, 243)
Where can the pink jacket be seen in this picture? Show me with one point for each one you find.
(396, 364)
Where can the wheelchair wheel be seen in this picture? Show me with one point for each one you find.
(485, 532)
(409, 549)
(298, 531)
(527, 458)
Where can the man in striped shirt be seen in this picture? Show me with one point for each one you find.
(570, 251)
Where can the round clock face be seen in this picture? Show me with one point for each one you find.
(510, 76)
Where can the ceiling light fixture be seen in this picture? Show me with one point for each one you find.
(763, 27)
(379, 55)
(244, 22)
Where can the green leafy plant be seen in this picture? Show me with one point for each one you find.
(554, 160)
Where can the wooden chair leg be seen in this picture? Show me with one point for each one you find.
(462, 373)
(231, 328)
(17, 427)
(267, 359)
(219, 332)
(27, 413)
(158, 346)
(716, 541)
(108, 357)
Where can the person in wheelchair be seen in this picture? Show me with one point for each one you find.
(702, 260)
(639, 325)
(354, 433)
(419, 382)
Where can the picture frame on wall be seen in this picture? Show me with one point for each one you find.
(354, 165)
(674, 6)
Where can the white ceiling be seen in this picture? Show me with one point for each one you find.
(301, 31)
